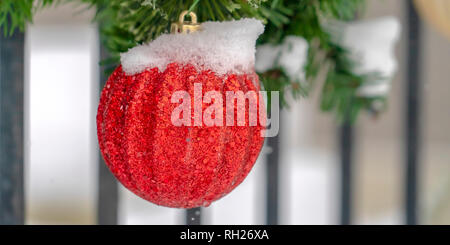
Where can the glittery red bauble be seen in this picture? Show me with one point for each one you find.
(173, 166)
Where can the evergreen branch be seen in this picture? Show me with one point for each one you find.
(14, 14)
(125, 24)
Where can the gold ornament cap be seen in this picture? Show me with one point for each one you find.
(183, 26)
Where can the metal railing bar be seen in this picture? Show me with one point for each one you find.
(412, 116)
(12, 129)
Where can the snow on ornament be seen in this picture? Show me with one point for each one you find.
(371, 46)
(290, 56)
(191, 164)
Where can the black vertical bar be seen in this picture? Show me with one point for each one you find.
(346, 138)
(11, 129)
(193, 216)
(108, 193)
(346, 148)
(413, 99)
(272, 180)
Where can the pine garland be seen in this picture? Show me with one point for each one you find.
(16, 13)
(127, 23)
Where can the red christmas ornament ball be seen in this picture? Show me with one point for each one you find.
(174, 166)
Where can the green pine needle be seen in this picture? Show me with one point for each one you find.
(127, 23)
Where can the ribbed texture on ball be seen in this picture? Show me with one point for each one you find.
(174, 166)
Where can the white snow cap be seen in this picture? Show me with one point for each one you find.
(222, 47)
(291, 56)
(371, 45)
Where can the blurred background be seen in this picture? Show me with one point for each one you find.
(62, 52)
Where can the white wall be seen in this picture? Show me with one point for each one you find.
(61, 148)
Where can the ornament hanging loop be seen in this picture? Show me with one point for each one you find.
(183, 26)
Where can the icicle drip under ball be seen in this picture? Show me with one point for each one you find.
(181, 166)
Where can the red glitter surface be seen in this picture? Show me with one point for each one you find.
(174, 166)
